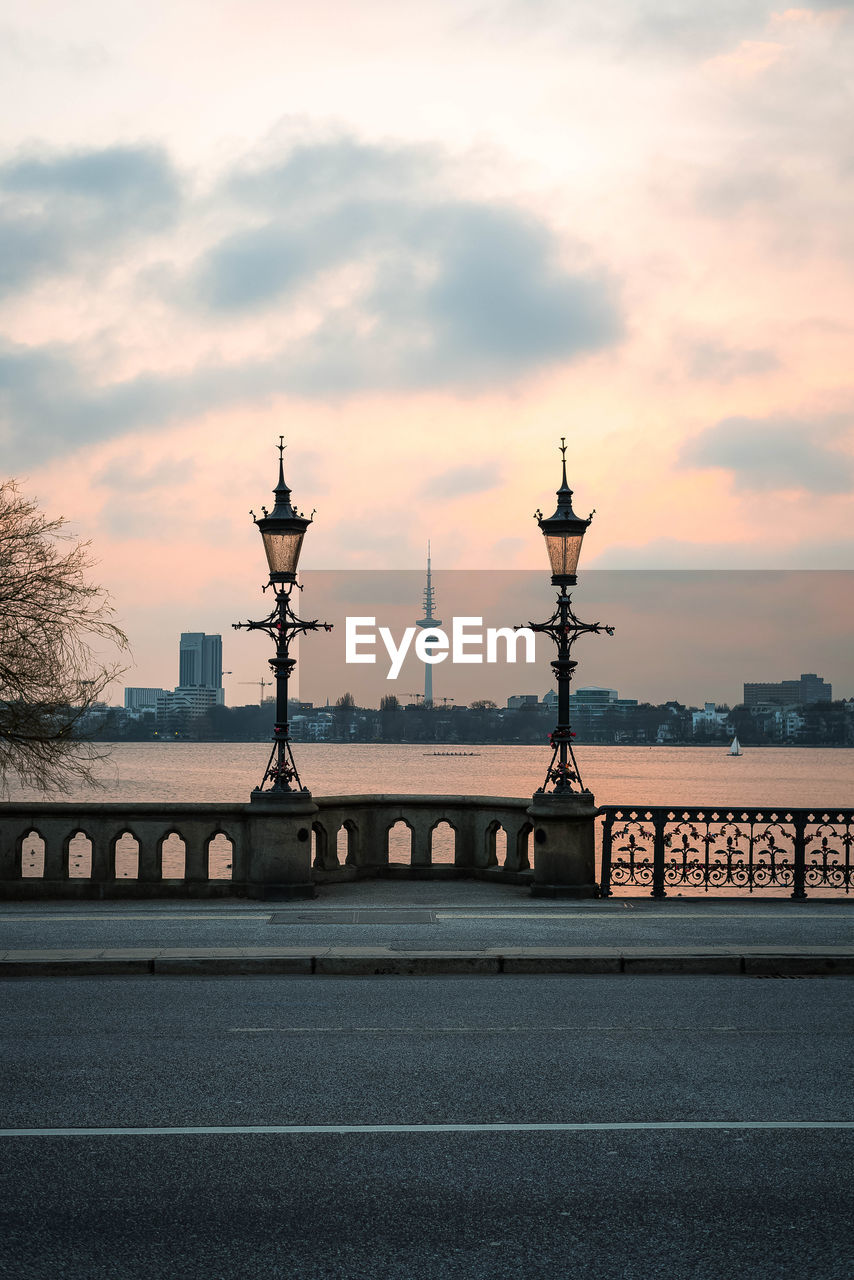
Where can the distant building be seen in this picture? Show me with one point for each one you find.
(517, 700)
(788, 723)
(789, 693)
(200, 663)
(593, 701)
(139, 700)
(184, 703)
(710, 720)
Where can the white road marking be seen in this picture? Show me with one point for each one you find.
(627, 1126)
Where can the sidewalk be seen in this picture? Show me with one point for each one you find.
(429, 927)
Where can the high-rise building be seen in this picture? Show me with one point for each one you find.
(200, 662)
(789, 693)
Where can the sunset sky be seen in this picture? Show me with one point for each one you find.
(424, 241)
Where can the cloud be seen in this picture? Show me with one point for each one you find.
(498, 298)
(786, 129)
(744, 181)
(126, 474)
(59, 209)
(458, 481)
(451, 293)
(338, 167)
(440, 293)
(718, 362)
(677, 554)
(775, 453)
(703, 30)
(651, 28)
(249, 268)
(21, 48)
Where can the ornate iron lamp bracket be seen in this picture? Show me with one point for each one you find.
(282, 626)
(564, 628)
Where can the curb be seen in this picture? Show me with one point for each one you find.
(357, 962)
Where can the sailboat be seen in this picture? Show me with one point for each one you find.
(735, 747)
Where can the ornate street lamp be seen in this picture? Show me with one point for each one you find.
(564, 532)
(282, 530)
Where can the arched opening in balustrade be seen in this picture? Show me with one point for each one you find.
(523, 846)
(347, 843)
(32, 855)
(399, 842)
(220, 856)
(321, 855)
(173, 857)
(126, 856)
(496, 844)
(443, 842)
(78, 848)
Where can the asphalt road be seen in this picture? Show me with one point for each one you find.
(626, 1202)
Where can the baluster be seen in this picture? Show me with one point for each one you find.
(149, 866)
(102, 859)
(422, 835)
(196, 863)
(55, 852)
(238, 853)
(10, 862)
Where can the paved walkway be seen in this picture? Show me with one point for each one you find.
(429, 927)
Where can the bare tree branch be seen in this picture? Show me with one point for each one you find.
(53, 622)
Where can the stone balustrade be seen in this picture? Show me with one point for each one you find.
(93, 850)
(107, 850)
(478, 826)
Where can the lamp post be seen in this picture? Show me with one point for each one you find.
(564, 533)
(282, 530)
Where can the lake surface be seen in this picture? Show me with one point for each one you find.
(212, 771)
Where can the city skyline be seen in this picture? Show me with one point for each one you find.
(508, 682)
(425, 244)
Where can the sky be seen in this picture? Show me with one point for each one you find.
(423, 242)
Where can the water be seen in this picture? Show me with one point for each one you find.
(207, 772)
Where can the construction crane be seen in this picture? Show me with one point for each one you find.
(264, 684)
(416, 696)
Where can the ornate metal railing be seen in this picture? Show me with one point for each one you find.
(708, 848)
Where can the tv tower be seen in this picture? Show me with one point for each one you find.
(430, 622)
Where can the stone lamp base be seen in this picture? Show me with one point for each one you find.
(564, 845)
(280, 846)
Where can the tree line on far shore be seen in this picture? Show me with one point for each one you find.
(669, 724)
